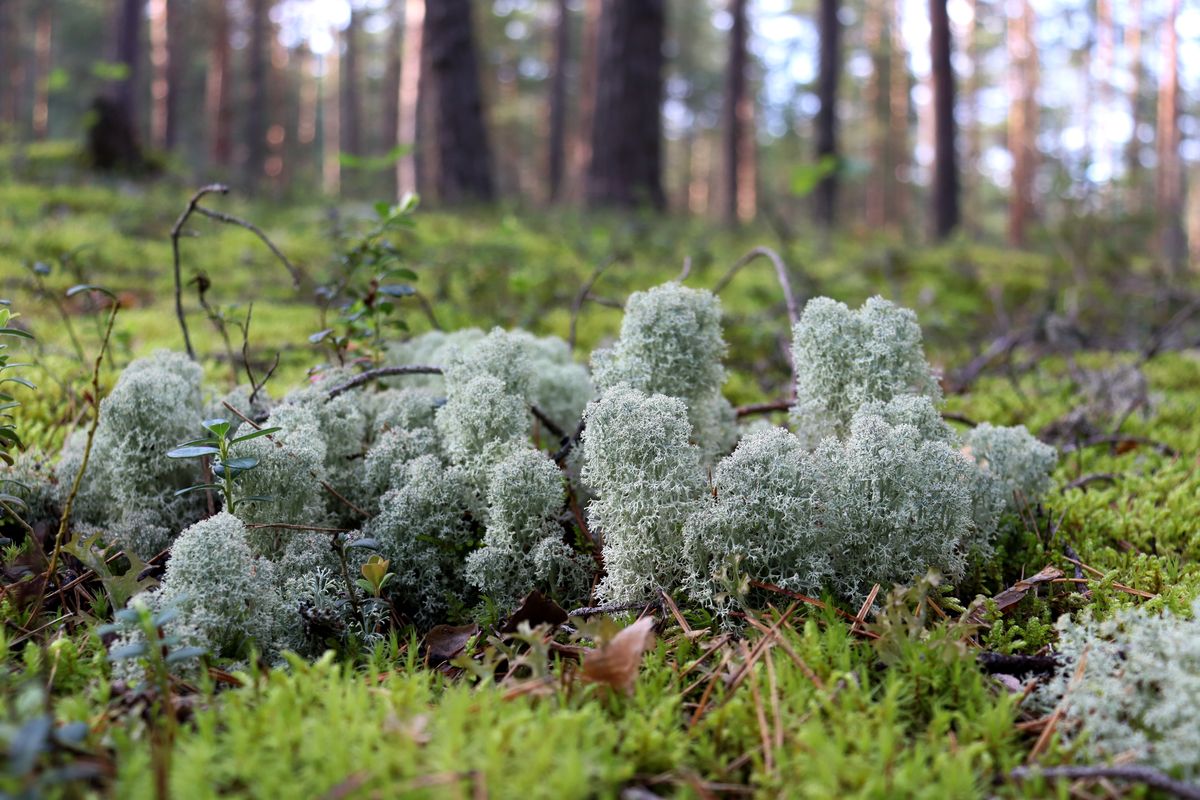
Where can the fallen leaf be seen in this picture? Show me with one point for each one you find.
(444, 642)
(616, 661)
(1015, 593)
(536, 609)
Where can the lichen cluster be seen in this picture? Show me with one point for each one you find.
(1130, 686)
(443, 476)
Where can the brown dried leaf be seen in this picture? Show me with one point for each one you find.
(444, 642)
(616, 662)
(1015, 593)
(536, 609)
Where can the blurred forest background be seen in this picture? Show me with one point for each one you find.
(999, 119)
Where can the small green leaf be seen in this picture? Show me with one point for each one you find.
(369, 543)
(255, 435)
(218, 426)
(185, 653)
(194, 451)
(241, 464)
(127, 651)
(199, 488)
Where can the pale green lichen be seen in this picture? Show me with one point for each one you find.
(647, 479)
(844, 359)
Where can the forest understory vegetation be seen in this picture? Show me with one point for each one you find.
(508, 504)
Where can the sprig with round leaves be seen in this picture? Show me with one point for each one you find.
(219, 444)
(369, 310)
(9, 438)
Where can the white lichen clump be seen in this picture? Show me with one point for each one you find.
(1130, 687)
(845, 359)
(129, 487)
(671, 344)
(647, 480)
(523, 546)
(226, 595)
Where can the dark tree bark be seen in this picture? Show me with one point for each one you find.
(737, 108)
(828, 76)
(128, 53)
(391, 79)
(408, 112)
(464, 159)
(1169, 175)
(10, 65)
(945, 178)
(581, 139)
(556, 144)
(351, 78)
(258, 101)
(218, 107)
(43, 61)
(1137, 72)
(1022, 120)
(626, 159)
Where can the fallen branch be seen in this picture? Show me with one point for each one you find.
(1118, 440)
(616, 608)
(1000, 664)
(769, 407)
(1132, 774)
(381, 372)
(1083, 481)
(194, 207)
(781, 274)
(548, 423)
(1000, 347)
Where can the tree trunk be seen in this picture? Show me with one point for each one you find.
(310, 97)
(556, 141)
(160, 64)
(1137, 72)
(1022, 121)
(973, 212)
(626, 159)
(464, 160)
(410, 84)
(219, 109)
(43, 63)
(331, 122)
(877, 99)
(581, 147)
(10, 67)
(128, 53)
(898, 114)
(738, 110)
(1169, 177)
(828, 76)
(390, 131)
(945, 165)
(257, 106)
(351, 77)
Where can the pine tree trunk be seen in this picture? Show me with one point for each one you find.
(407, 123)
(945, 166)
(626, 151)
(556, 140)
(973, 212)
(898, 114)
(331, 123)
(828, 76)
(737, 109)
(877, 99)
(257, 102)
(464, 159)
(1137, 72)
(1169, 177)
(390, 130)
(581, 139)
(128, 52)
(10, 80)
(219, 109)
(351, 76)
(1022, 121)
(160, 64)
(43, 63)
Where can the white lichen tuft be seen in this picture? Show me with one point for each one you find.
(523, 547)
(1019, 464)
(129, 488)
(481, 424)
(423, 527)
(762, 522)
(224, 592)
(1130, 687)
(671, 344)
(647, 480)
(844, 359)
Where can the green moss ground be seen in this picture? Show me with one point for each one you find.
(824, 713)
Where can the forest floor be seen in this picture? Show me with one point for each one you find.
(811, 699)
